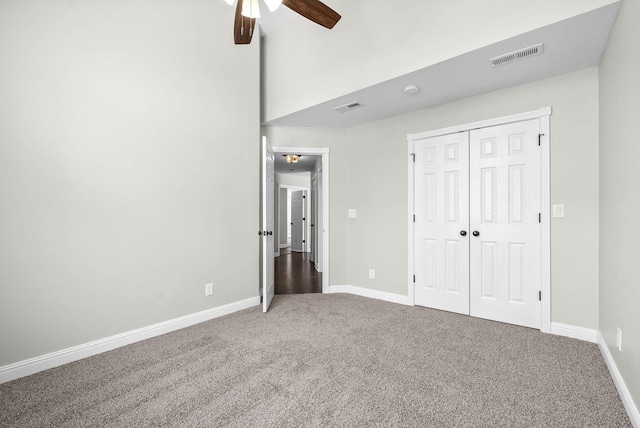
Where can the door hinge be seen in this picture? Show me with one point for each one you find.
(414, 278)
(304, 218)
(540, 295)
(303, 241)
(540, 138)
(539, 217)
(414, 218)
(413, 155)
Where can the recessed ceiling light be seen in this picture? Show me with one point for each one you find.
(411, 89)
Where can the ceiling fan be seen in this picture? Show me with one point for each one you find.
(248, 10)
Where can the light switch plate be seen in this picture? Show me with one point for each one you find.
(352, 213)
(558, 211)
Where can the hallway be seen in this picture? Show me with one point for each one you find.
(295, 274)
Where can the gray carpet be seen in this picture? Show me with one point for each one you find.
(328, 360)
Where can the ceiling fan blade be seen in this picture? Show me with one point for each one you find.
(315, 11)
(243, 27)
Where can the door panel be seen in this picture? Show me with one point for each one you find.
(267, 181)
(505, 257)
(297, 212)
(442, 212)
(313, 239)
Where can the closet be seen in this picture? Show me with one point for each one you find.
(477, 230)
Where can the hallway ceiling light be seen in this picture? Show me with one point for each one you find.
(292, 158)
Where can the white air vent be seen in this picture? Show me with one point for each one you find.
(348, 107)
(517, 55)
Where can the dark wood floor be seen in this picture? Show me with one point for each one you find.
(295, 274)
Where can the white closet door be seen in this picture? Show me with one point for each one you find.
(505, 238)
(442, 214)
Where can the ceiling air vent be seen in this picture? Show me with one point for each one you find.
(517, 55)
(347, 107)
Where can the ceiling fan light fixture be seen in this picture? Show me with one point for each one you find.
(251, 8)
(292, 158)
(273, 4)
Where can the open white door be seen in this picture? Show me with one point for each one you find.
(313, 239)
(267, 181)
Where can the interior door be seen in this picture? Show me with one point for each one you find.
(267, 181)
(297, 226)
(313, 239)
(441, 223)
(505, 239)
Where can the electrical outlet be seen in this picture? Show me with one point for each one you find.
(208, 289)
(352, 213)
(372, 274)
(619, 339)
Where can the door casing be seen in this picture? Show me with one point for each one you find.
(324, 184)
(543, 115)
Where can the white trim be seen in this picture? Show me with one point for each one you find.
(543, 115)
(324, 152)
(65, 356)
(411, 231)
(284, 246)
(625, 395)
(520, 117)
(303, 150)
(545, 194)
(372, 294)
(290, 187)
(574, 332)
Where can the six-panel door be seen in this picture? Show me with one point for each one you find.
(441, 224)
(505, 257)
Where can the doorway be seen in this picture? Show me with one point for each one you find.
(479, 228)
(301, 264)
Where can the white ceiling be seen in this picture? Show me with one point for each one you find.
(569, 45)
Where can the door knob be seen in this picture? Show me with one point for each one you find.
(476, 233)
(270, 232)
(463, 233)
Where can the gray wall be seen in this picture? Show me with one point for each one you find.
(117, 123)
(373, 161)
(619, 201)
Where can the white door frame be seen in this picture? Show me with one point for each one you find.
(324, 152)
(542, 114)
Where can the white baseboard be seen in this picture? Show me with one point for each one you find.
(284, 246)
(581, 333)
(374, 294)
(58, 358)
(625, 395)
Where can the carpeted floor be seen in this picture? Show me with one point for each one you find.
(328, 360)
